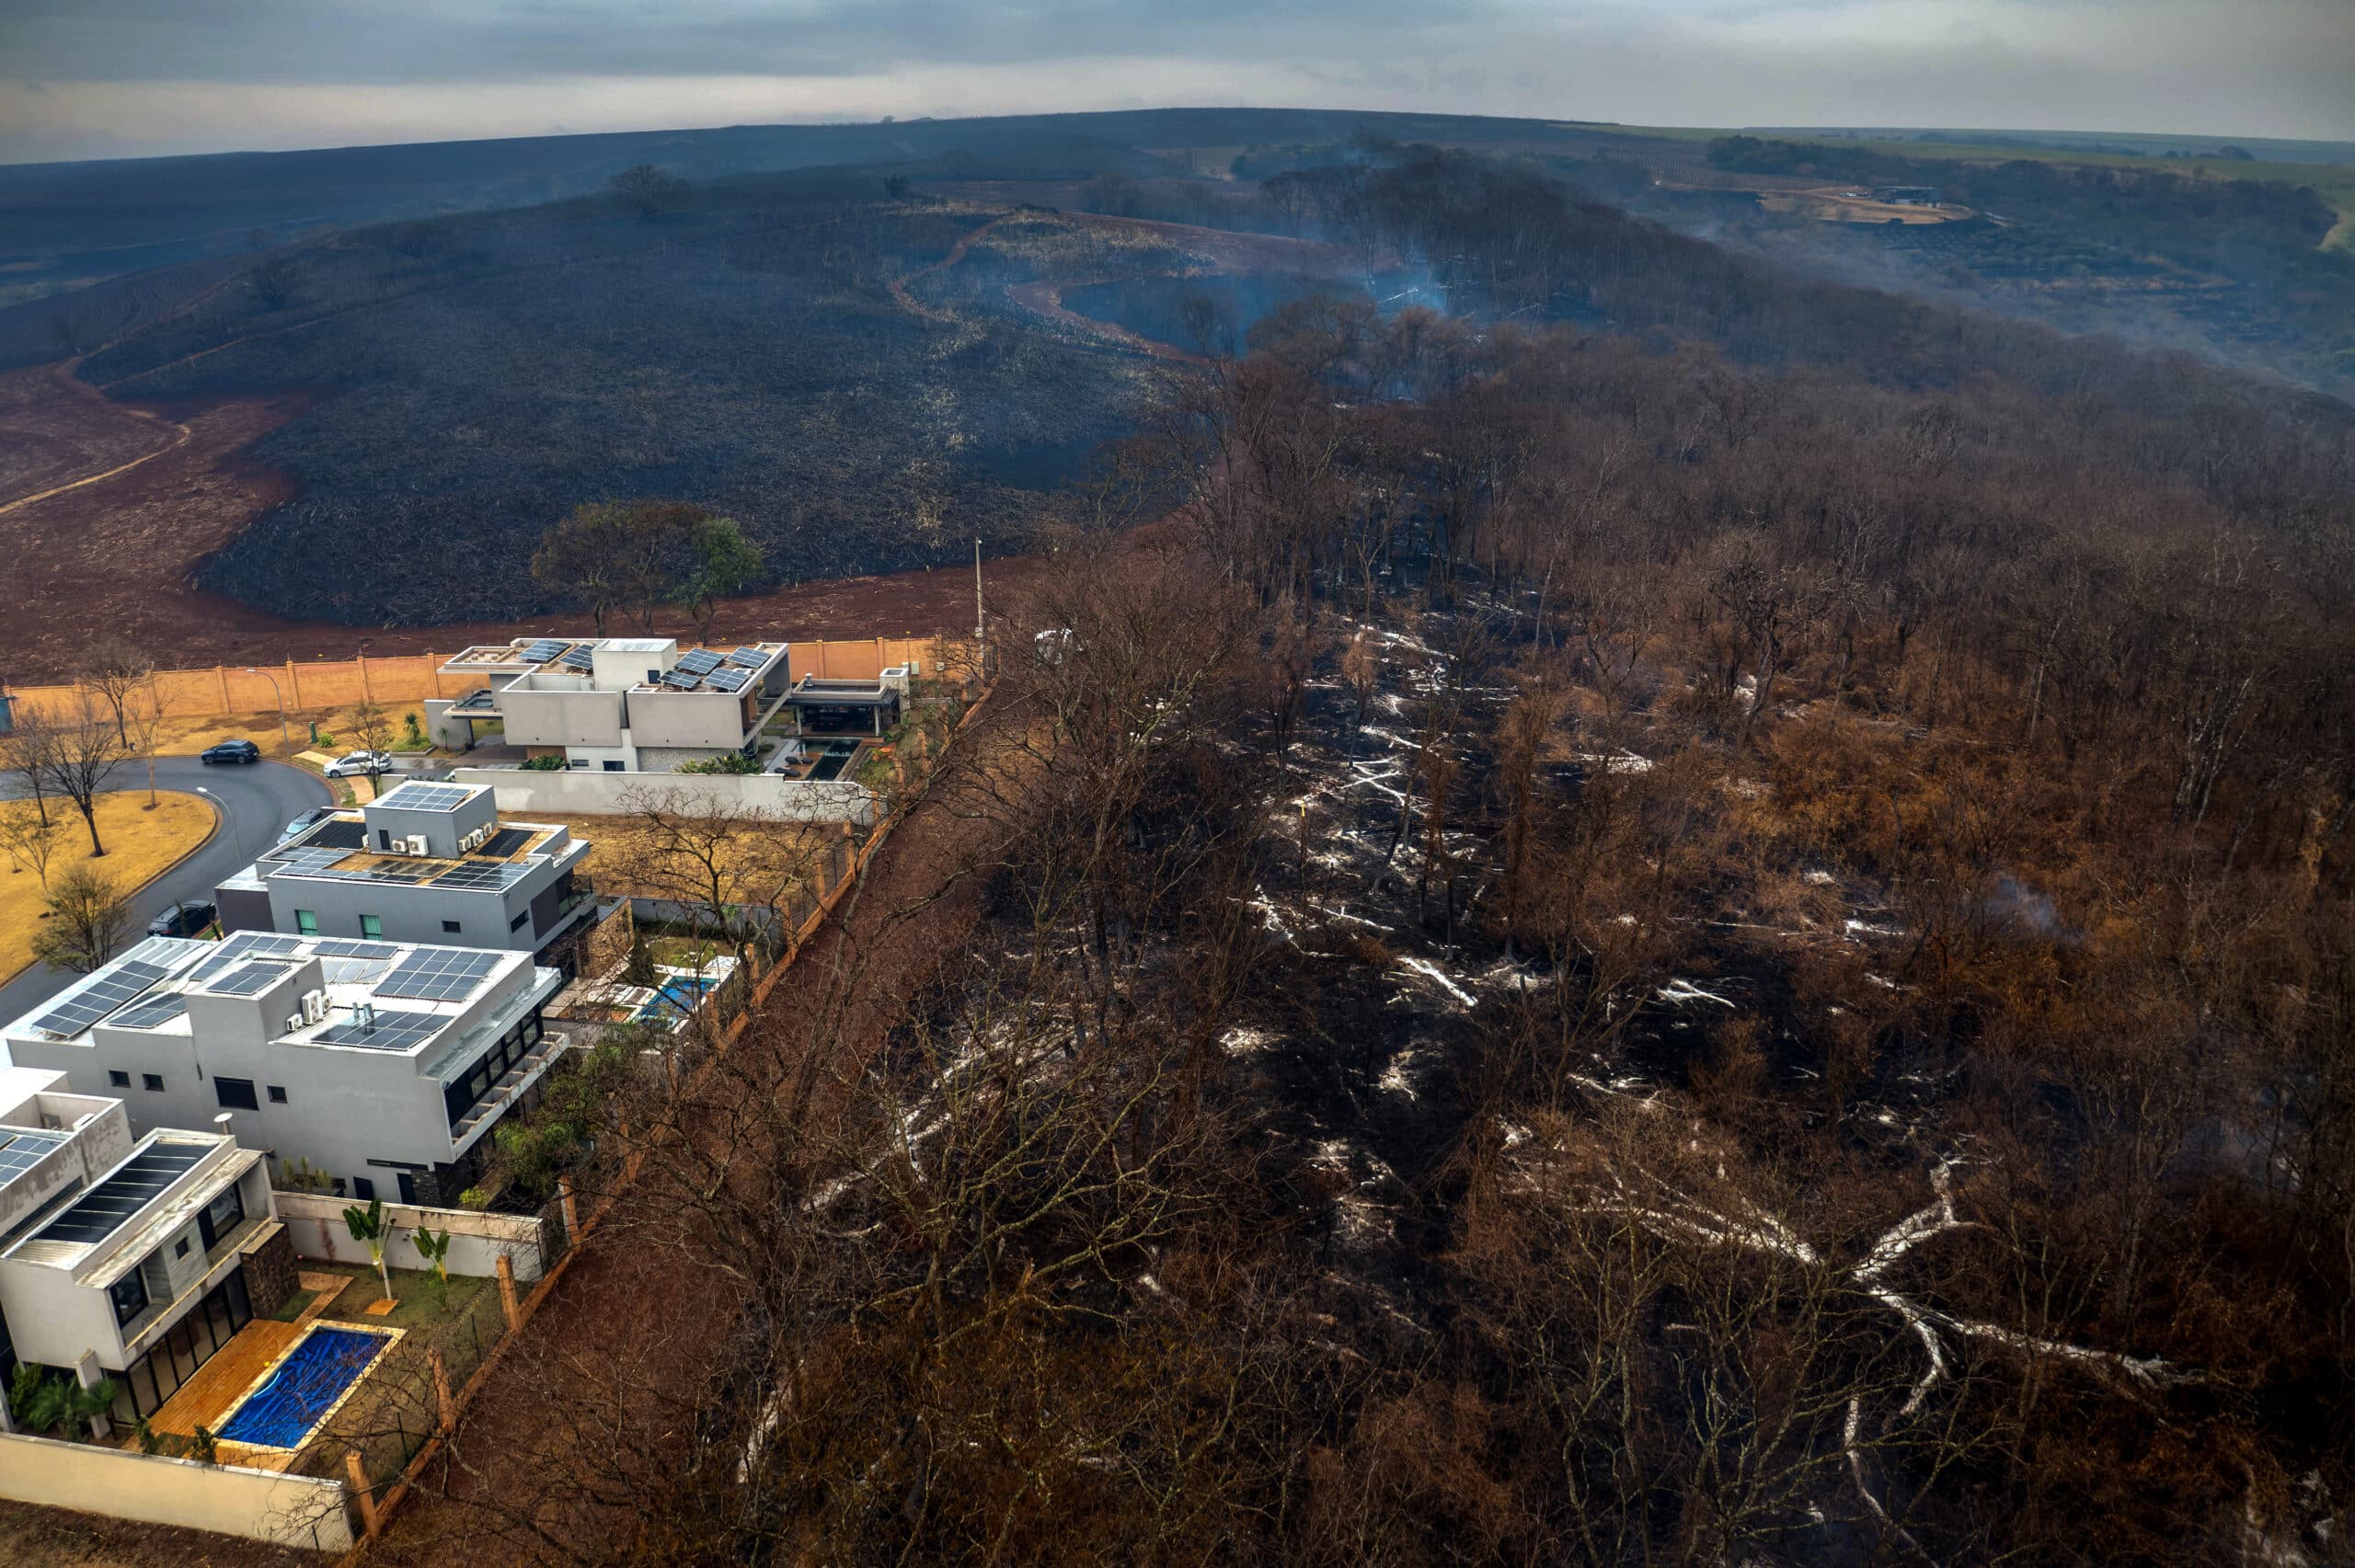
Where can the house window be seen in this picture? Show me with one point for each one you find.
(120, 1079)
(235, 1094)
(278, 1093)
(363, 1189)
(612, 767)
(370, 926)
(449, 926)
(151, 1081)
(130, 1297)
(221, 1216)
(517, 924)
(179, 1248)
(306, 921)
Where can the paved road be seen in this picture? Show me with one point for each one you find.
(258, 801)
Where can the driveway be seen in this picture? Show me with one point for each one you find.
(257, 801)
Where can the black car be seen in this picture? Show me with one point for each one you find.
(231, 752)
(187, 918)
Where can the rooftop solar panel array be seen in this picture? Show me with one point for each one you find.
(389, 1029)
(246, 944)
(578, 659)
(23, 1148)
(150, 1012)
(728, 680)
(337, 834)
(543, 650)
(416, 796)
(105, 1209)
(342, 947)
(748, 658)
(251, 981)
(108, 990)
(439, 974)
(504, 842)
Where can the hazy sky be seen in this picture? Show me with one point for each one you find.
(93, 78)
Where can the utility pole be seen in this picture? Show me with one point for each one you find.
(980, 624)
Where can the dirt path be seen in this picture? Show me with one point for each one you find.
(68, 386)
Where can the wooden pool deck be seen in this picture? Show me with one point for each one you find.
(206, 1397)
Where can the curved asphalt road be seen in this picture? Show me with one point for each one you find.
(257, 800)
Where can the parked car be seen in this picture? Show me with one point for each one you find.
(353, 763)
(317, 814)
(187, 918)
(231, 752)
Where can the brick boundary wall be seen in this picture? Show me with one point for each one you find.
(231, 691)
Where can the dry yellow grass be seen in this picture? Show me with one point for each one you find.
(618, 855)
(140, 844)
(186, 737)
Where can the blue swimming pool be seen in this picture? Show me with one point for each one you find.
(302, 1387)
(678, 998)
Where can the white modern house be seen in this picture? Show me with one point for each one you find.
(126, 1258)
(616, 704)
(424, 862)
(380, 1066)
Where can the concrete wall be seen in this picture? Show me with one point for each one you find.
(710, 721)
(579, 793)
(316, 1226)
(562, 718)
(258, 1504)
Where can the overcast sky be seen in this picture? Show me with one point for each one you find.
(97, 78)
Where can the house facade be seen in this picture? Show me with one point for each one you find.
(616, 704)
(125, 1256)
(374, 1068)
(424, 862)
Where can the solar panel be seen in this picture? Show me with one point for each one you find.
(475, 874)
(748, 658)
(678, 680)
(108, 990)
(344, 947)
(337, 834)
(578, 659)
(22, 1149)
(504, 842)
(416, 796)
(728, 680)
(439, 974)
(101, 1211)
(392, 1030)
(544, 649)
(149, 1012)
(699, 661)
(251, 981)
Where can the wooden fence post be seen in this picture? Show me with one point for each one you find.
(442, 1402)
(293, 686)
(571, 1214)
(357, 1469)
(221, 676)
(507, 1294)
(366, 695)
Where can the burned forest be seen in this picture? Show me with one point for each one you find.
(1653, 943)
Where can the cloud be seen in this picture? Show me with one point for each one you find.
(147, 75)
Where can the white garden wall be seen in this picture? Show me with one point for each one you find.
(260, 1505)
(581, 792)
(316, 1225)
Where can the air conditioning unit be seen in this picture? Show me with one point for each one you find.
(417, 844)
(314, 1006)
(294, 1021)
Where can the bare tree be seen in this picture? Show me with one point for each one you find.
(115, 669)
(26, 748)
(85, 753)
(29, 838)
(88, 918)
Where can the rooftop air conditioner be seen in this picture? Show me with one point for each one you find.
(314, 1006)
(417, 844)
(294, 1021)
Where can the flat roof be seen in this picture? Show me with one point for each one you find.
(385, 989)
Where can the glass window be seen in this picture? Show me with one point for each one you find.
(120, 1079)
(179, 1248)
(362, 1188)
(517, 924)
(129, 1296)
(152, 1081)
(235, 1094)
(612, 767)
(221, 1216)
(306, 921)
(370, 926)
(449, 926)
(278, 1093)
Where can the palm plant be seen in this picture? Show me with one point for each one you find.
(434, 1250)
(369, 1225)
